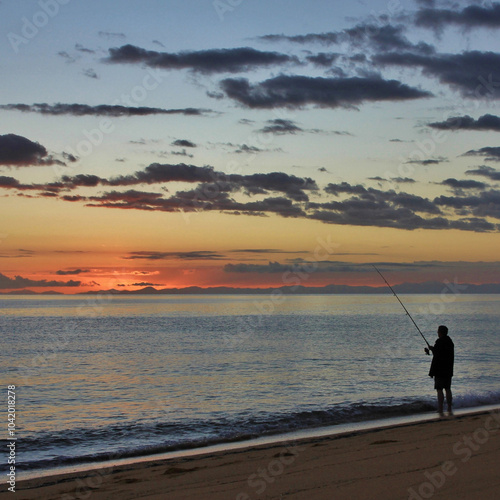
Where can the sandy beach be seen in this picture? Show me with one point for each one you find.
(451, 458)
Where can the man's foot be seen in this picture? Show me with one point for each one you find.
(450, 413)
(441, 414)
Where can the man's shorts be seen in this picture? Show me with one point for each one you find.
(442, 382)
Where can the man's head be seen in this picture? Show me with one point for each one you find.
(442, 331)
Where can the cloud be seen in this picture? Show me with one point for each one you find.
(397, 180)
(299, 91)
(109, 35)
(72, 272)
(278, 193)
(203, 61)
(90, 73)
(472, 16)
(81, 48)
(280, 126)
(99, 110)
(430, 161)
(196, 255)
(460, 186)
(485, 171)
(19, 282)
(145, 283)
(490, 153)
(370, 198)
(485, 122)
(21, 252)
(245, 148)
(184, 143)
(19, 151)
(300, 265)
(156, 173)
(473, 73)
(463, 184)
(483, 204)
(380, 37)
(323, 59)
(180, 153)
(326, 38)
(372, 207)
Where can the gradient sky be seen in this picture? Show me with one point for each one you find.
(248, 143)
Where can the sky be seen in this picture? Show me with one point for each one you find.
(248, 143)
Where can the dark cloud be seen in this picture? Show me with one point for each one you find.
(327, 38)
(301, 265)
(67, 57)
(145, 283)
(81, 48)
(367, 199)
(206, 198)
(485, 171)
(489, 153)
(485, 122)
(197, 255)
(131, 199)
(397, 180)
(473, 73)
(245, 148)
(403, 180)
(90, 73)
(429, 161)
(323, 59)
(372, 207)
(181, 153)
(184, 143)
(19, 151)
(203, 61)
(99, 110)
(252, 184)
(483, 204)
(209, 179)
(299, 91)
(374, 215)
(471, 16)
(380, 37)
(18, 282)
(9, 182)
(72, 272)
(278, 193)
(280, 126)
(463, 184)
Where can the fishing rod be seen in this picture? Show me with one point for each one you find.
(406, 310)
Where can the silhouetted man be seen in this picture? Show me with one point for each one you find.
(442, 368)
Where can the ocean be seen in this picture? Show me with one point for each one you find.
(126, 376)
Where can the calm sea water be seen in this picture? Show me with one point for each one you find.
(101, 377)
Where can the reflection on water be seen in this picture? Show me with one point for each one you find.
(265, 304)
(208, 360)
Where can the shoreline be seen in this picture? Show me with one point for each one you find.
(309, 433)
(110, 477)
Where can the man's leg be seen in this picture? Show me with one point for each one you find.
(440, 401)
(449, 400)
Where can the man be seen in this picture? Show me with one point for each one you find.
(442, 368)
